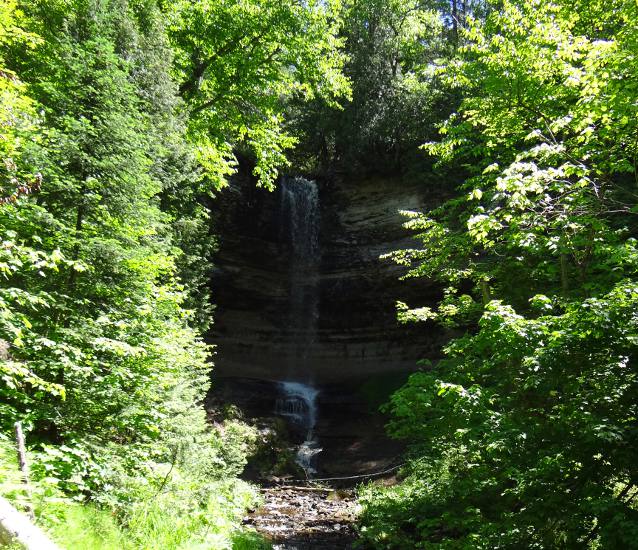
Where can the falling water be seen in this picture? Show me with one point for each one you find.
(300, 231)
(300, 219)
(298, 403)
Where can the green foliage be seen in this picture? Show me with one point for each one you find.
(394, 50)
(523, 417)
(393, 46)
(248, 540)
(85, 528)
(169, 509)
(523, 436)
(18, 119)
(238, 62)
(104, 258)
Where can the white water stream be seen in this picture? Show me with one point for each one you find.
(299, 229)
(298, 403)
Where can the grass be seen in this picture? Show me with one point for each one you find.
(249, 540)
(180, 518)
(85, 527)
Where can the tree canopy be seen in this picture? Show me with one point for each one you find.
(238, 62)
(525, 432)
(121, 120)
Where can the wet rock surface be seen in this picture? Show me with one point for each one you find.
(351, 446)
(349, 428)
(348, 298)
(300, 518)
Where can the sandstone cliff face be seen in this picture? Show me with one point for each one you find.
(355, 333)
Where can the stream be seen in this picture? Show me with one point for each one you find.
(326, 433)
(301, 518)
(298, 405)
(329, 432)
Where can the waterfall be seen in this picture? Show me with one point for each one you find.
(299, 230)
(298, 403)
(300, 219)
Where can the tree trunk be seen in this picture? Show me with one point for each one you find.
(485, 291)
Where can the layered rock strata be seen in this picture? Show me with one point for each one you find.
(356, 333)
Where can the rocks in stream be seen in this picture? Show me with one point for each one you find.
(305, 519)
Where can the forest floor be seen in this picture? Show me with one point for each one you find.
(302, 518)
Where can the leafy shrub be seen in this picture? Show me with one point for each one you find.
(524, 435)
(526, 417)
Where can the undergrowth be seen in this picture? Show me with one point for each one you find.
(180, 513)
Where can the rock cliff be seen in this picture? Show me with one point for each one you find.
(355, 333)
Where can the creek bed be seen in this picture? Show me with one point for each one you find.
(303, 518)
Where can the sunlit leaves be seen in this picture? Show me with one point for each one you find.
(237, 63)
(542, 233)
(535, 404)
(97, 347)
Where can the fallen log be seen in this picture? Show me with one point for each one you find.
(17, 528)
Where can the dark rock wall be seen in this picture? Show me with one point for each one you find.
(357, 332)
